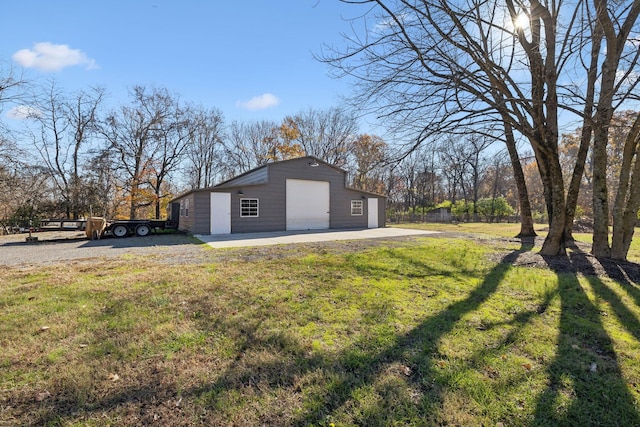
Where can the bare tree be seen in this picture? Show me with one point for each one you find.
(10, 179)
(101, 191)
(13, 86)
(137, 133)
(249, 145)
(616, 24)
(82, 114)
(421, 182)
(205, 147)
(64, 127)
(326, 134)
(454, 165)
(435, 65)
(472, 153)
(173, 138)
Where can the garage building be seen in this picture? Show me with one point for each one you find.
(297, 194)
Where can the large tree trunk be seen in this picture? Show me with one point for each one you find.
(555, 242)
(604, 113)
(603, 116)
(553, 187)
(574, 186)
(615, 46)
(526, 219)
(585, 138)
(622, 236)
(627, 202)
(600, 195)
(541, 52)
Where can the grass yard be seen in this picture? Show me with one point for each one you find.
(419, 331)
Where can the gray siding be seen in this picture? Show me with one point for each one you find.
(272, 198)
(271, 195)
(341, 209)
(271, 210)
(197, 222)
(186, 222)
(202, 213)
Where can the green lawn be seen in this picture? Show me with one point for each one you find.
(510, 230)
(424, 331)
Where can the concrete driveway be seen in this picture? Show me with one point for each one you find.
(306, 236)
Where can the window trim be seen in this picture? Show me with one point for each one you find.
(249, 209)
(357, 205)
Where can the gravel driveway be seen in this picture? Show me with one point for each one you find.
(177, 248)
(67, 246)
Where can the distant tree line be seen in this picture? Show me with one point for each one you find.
(74, 157)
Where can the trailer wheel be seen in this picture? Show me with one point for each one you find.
(120, 230)
(143, 230)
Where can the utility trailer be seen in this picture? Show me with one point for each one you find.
(139, 227)
(97, 227)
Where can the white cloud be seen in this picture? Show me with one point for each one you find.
(47, 56)
(261, 102)
(22, 112)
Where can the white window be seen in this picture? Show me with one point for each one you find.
(248, 207)
(356, 207)
(186, 207)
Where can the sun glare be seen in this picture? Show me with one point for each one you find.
(521, 22)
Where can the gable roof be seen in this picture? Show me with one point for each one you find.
(259, 175)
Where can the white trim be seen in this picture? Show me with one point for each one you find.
(357, 205)
(257, 207)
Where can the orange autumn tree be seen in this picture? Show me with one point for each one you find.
(368, 152)
(282, 142)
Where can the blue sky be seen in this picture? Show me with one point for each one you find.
(251, 59)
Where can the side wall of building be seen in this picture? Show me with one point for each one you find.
(186, 218)
(272, 207)
(194, 212)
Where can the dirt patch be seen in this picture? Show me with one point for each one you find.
(577, 261)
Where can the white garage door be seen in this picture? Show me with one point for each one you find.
(307, 205)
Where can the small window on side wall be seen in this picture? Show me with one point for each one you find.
(248, 208)
(356, 207)
(186, 207)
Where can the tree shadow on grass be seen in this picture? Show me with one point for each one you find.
(334, 379)
(416, 350)
(586, 385)
(267, 361)
(627, 274)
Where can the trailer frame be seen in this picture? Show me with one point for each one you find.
(137, 227)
